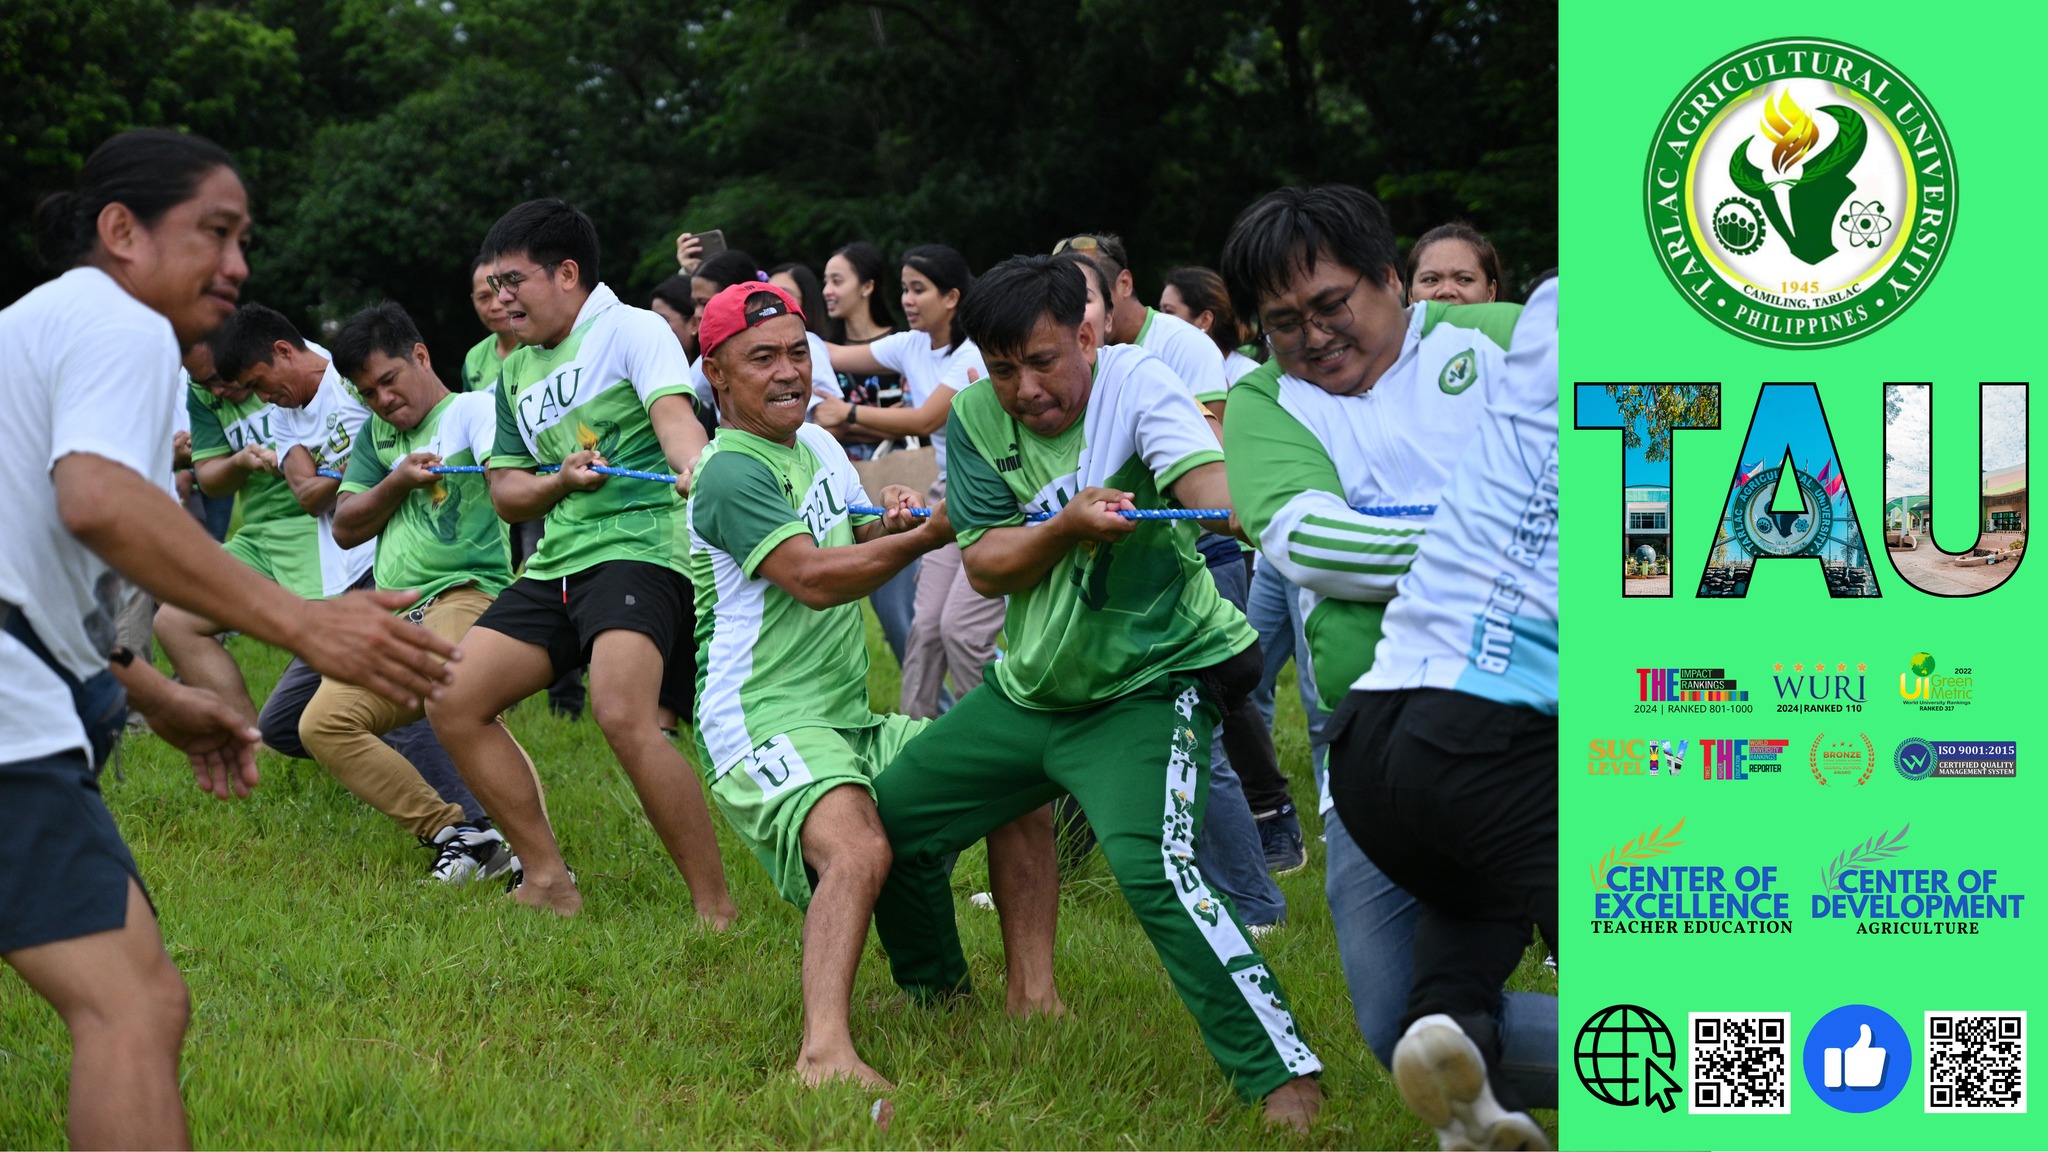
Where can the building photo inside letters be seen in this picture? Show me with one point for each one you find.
(798, 574)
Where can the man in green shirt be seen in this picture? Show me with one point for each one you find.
(784, 732)
(481, 367)
(435, 533)
(1121, 655)
(594, 383)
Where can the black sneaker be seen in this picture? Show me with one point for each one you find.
(469, 852)
(1280, 836)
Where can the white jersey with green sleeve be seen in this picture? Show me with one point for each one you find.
(222, 428)
(448, 534)
(277, 536)
(1477, 612)
(1237, 365)
(1110, 618)
(766, 664)
(1303, 460)
(592, 391)
(926, 369)
(481, 367)
(1188, 351)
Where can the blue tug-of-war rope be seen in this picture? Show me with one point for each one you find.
(1389, 510)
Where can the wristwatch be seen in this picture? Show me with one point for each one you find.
(853, 414)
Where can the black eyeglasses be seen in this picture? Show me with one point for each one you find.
(1332, 317)
(510, 281)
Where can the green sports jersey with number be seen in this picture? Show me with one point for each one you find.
(481, 367)
(222, 428)
(767, 664)
(1304, 460)
(449, 534)
(1110, 617)
(593, 391)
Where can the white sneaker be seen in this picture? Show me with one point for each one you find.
(1442, 1078)
(469, 852)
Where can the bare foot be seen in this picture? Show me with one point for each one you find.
(1294, 1104)
(816, 1071)
(560, 896)
(1024, 1006)
(718, 917)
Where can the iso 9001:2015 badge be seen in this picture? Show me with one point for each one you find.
(1800, 193)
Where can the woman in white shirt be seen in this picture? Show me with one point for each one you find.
(953, 628)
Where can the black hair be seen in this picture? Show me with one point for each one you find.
(476, 262)
(675, 292)
(869, 266)
(1104, 282)
(810, 295)
(1489, 259)
(1288, 231)
(1201, 289)
(549, 232)
(385, 328)
(246, 339)
(1006, 304)
(947, 270)
(151, 170)
(730, 267)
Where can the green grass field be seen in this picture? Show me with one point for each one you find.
(338, 1001)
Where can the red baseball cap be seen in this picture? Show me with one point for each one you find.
(739, 308)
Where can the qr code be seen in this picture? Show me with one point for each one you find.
(1739, 1062)
(1976, 1062)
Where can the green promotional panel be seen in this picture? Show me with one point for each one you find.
(1800, 837)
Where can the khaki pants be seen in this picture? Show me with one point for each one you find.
(343, 726)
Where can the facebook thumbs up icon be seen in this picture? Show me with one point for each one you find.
(1857, 1058)
(1859, 1067)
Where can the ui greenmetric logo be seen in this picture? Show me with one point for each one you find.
(1800, 193)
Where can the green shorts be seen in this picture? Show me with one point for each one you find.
(767, 795)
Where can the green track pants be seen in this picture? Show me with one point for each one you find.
(1138, 765)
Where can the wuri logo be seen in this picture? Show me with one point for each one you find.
(1800, 193)
(1819, 686)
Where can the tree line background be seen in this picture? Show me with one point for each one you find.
(381, 138)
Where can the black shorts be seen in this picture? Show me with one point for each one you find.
(564, 617)
(64, 869)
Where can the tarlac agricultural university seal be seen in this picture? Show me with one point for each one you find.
(1800, 193)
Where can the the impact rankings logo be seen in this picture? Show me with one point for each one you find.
(1800, 193)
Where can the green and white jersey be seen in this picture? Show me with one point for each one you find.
(1301, 459)
(327, 428)
(449, 534)
(481, 367)
(1237, 365)
(220, 428)
(592, 391)
(1188, 351)
(767, 664)
(1111, 617)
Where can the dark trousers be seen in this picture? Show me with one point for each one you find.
(1247, 740)
(1454, 797)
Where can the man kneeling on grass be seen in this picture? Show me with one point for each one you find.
(783, 726)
